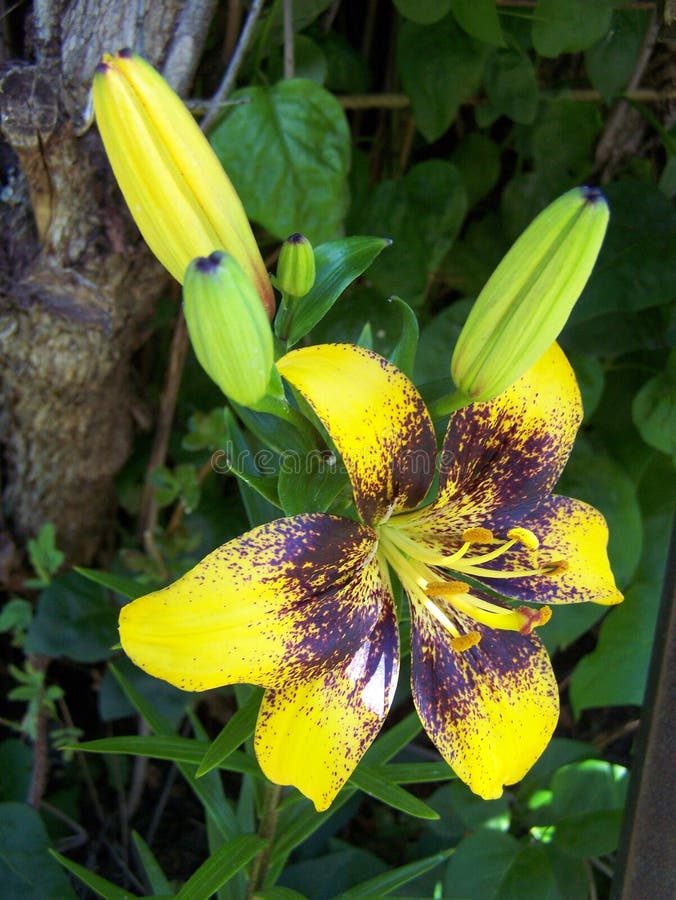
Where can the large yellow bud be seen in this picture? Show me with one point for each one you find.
(183, 202)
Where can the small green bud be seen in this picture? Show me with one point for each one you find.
(296, 266)
(528, 298)
(228, 327)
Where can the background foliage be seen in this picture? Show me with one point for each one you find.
(444, 125)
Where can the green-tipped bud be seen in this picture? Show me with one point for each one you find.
(296, 266)
(228, 327)
(528, 298)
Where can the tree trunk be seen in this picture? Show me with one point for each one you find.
(77, 284)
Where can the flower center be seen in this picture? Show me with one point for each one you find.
(418, 567)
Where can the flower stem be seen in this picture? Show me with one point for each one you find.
(448, 404)
(266, 830)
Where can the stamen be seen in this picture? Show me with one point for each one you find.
(477, 536)
(446, 588)
(442, 618)
(555, 567)
(465, 641)
(524, 536)
(533, 618)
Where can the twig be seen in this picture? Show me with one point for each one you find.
(161, 803)
(187, 43)
(606, 149)
(138, 777)
(82, 762)
(177, 354)
(289, 38)
(268, 826)
(179, 509)
(230, 76)
(582, 95)
(232, 28)
(79, 836)
(40, 769)
(602, 741)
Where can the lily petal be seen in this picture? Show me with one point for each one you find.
(490, 709)
(507, 452)
(375, 417)
(311, 733)
(292, 596)
(571, 533)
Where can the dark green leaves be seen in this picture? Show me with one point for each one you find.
(76, 619)
(287, 151)
(635, 267)
(422, 213)
(440, 67)
(26, 869)
(567, 26)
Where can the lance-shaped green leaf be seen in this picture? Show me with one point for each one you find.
(528, 298)
(235, 732)
(220, 867)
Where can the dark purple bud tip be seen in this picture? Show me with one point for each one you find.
(592, 195)
(208, 264)
(295, 238)
(102, 68)
(125, 53)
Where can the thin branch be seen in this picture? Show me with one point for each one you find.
(606, 148)
(187, 43)
(177, 354)
(230, 76)
(582, 95)
(289, 41)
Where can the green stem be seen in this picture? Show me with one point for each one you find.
(448, 404)
(266, 830)
(285, 316)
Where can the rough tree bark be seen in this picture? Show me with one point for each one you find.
(77, 284)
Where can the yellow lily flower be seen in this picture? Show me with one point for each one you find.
(303, 606)
(175, 187)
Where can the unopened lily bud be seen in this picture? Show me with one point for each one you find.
(528, 298)
(176, 189)
(296, 266)
(228, 327)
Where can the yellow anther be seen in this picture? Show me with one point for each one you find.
(533, 618)
(524, 536)
(446, 588)
(477, 536)
(555, 567)
(465, 641)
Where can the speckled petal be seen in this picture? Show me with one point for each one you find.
(375, 417)
(293, 596)
(490, 709)
(505, 453)
(312, 732)
(570, 532)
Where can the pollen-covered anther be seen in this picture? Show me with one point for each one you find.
(477, 536)
(446, 588)
(556, 567)
(525, 537)
(465, 641)
(533, 618)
